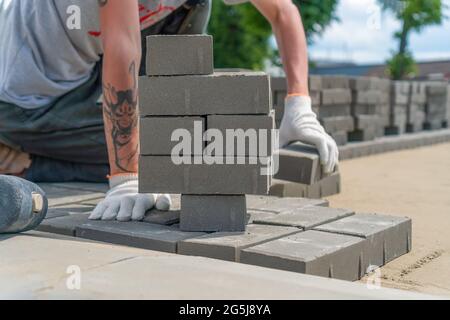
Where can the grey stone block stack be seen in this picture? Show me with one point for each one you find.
(400, 97)
(181, 97)
(335, 107)
(370, 96)
(436, 107)
(416, 107)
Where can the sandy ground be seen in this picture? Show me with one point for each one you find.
(413, 183)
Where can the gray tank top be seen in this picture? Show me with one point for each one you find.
(50, 47)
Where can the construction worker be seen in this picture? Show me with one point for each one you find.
(58, 56)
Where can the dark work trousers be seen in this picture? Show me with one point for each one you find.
(66, 139)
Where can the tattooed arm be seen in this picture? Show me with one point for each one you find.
(122, 55)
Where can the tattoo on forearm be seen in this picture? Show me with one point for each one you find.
(121, 108)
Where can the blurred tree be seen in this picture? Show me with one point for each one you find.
(242, 35)
(414, 15)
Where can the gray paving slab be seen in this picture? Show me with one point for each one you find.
(336, 96)
(228, 245)
(221, 93)
(277, 205)
(169, 55)
(213, 213)
(299, 163)
(387, 237)
(166, 218)
(62, 211)
(135, 234)
(58, 195)
(65, 225)
(158, 135)
(311, 252)
(161, 175)
(253, 132)
(306, 218)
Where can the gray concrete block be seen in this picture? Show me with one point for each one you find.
(56, 212)
(336, 96)
(367, 121)
(307, 217)
(333, 111)
(169, 55)
(365, 109)
(156, 134)
(338, 124)
(228, 245)
(311, 252)
(135, 234)
(278, 205)
(340, 137)
(65, 225)
(316, 98)
(255, 131)
(213, 213)
(159, 174)
(328, 186)
(368, 97)
(361, 83)
(278, 84)
(299, 163)
(315, 83)
(333, 82)
(165, 218)
(363, 135)
(220, 93)
(387, 237)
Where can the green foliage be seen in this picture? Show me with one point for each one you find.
(414, 15)
(401, 66)
(242, 35)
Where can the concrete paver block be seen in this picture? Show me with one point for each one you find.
(299, 163)
(311, 252)
(135, 234)
(65, 225)
(156, 134)
(325, 111)
(333, 82)
(159, 174)
(220, 93)
(336, 124)
(256, 129)
(169, 55)
(307, 217)
(59, 196)
(278, 205)
(336, 96)
(315, 83)
(228, 245)
(62, 211)
(278, 84)
(213, 213)
(166, 218)
(340, 137)
(387, 237)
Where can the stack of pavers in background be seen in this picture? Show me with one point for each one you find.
(416, 114)
(369, 97)
(400, 99)
(300, 173)
(436, 107)
(335, 106)
(182, 92)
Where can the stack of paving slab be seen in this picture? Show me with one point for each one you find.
(335, 106)
(294, 234)
(370, 97)
(400, 99)
(416, 110)
(436, 107)
(181, 91)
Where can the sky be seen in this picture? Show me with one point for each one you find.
(365, 35)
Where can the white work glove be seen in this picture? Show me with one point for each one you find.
(300, 124)
(123, 202)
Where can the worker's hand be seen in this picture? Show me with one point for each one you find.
(300, 124)
(123, 202)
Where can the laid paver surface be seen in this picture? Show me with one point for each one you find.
(413, 183)
(43, 266)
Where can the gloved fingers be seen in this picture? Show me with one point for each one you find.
(334, 155)
(98, 211)
(322, 148)
(112, 211)
(142, 203)
(163, 202)
(126, 209)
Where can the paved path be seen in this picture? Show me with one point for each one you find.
(36, 265)
(414, 183)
